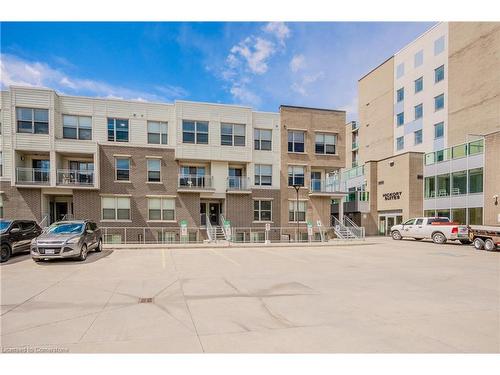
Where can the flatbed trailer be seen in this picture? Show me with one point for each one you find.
(484, 237)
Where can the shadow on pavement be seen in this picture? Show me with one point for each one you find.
(91, 258)
(16, 258)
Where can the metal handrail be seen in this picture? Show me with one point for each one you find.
(238, 183)
(222, 221)
(325, 186)
(355, 229)
(209, 228)
(44, 222)
(75, 177)
(190, 181)
(33, 175)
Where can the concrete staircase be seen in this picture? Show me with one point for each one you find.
(218, 233)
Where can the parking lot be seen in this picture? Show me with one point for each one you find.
(382, 296)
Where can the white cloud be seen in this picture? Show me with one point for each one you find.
(301, 86)
(297, 63)
(20, 72)
(278, 29)
(255, 52)
(245, 96)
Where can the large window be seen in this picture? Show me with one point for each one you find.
(400, 143)
(325, 143)
(458, 215)
(443, 155)
(262, 139)
(439, 45)
(400, 118)
(418, 137)
(32, 120)
(419, 111)
(443, 185)
(117, 130)
(296, 141)
(195, 132)
(262, 210)
(295, 175)
(459, 151)
(115, 208)
(161, 209)
(154, 170)
(476, 147)
(439, 74)
(157, 133)
(475, 216)
(476, 180)
(430, 187)
(122, 167)
(400, 94)
(459, 183)
(439, 102)
(419, 84)
(232, 135)
(263, 175)
(296, 211)
(77, 127)
(438, 130)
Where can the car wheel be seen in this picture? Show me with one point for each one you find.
(489, 244)
(396, 235)
(5, 253)
(438, 238)
(479, 244)
(465, 242)
(83, 253)
(99, 246)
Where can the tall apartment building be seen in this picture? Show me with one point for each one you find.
(137, 164)
(428, 129)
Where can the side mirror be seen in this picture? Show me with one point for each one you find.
(15, 230)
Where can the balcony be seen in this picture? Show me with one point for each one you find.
(355, 145)
(190, 183)
(32, 176)
(74, 177)
(355, 125)
(324, 187)
(238, 184)
(355, 201)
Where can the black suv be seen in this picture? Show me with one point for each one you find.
(16, 236)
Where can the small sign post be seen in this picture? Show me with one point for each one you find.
(309, 230)
(227, 229)
(268, 228)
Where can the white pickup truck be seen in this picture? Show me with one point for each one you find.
(439, 229)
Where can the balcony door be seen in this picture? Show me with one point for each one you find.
(316, 181)
(40, 170)
(235, 177)
(81, 171)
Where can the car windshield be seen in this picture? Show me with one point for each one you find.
(4, 224)
(66, 228)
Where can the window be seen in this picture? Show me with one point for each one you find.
(443, 185)
(418, 137)
(458, 152)
(459, 183)
(476, 180)
(430, 158)
(438, 130)
(195, 132)
(117, 130)
(439, 74)
(400, 119)
(122, 166)
(438, 46)
(476, 216)
(476, 147)
(263, 175)
(262, 210)
(232, 135)
(400, 70)
(235, 178)
(419, 111)
(443, 155)
(32, 120)
(439, 102)
(77, 127)
(400, 143)
(262, 139)
(400, 94)
(419, 84)
(157, 133)
(430, 187)
(296, 212)
(325, 143)
(161, 209)
(193, 176)
(115, 208)
(296, 141)
(154, 170)
(257, 237)
(418, 59)
(441, 213)
(429, 213)
(295, 175)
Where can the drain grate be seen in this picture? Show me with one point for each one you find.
(146, 300)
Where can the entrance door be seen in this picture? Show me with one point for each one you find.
(390, 222)
(61, 209)
(213, 213)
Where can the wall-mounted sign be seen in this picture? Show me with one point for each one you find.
(392, 196)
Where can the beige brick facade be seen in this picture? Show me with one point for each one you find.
(23, 203)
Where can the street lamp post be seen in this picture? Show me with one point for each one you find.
(297, 187)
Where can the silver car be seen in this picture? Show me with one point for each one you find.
(67, 239)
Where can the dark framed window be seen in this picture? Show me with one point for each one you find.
(154, 170)
(439, 102)
(439, 74)
(262, 139)
(263, 175)
(296, 141)
(419, 111)
(400, 143)
(296, 211)
(232, 135)
(195, 132)
(400, 94)
(157, 132)
(32, 120)
(418, 137)
(122, 167)
(296, 175)
(438, 130)
(262, 210)
(161, 209)
(115, 208)
(325, 143)
(77, 127)
(118, 130)
(419, 84)
(400, 119)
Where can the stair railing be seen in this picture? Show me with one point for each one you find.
(209, 227)
(222, 221)
(357, 231)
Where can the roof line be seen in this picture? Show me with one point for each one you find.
(313, 108)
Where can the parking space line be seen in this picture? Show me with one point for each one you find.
(283, 256)
(226, 257)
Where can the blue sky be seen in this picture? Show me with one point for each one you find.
(261, 65)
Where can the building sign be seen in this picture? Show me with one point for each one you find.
(392, 196)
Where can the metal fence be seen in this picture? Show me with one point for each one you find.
(153, 235)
